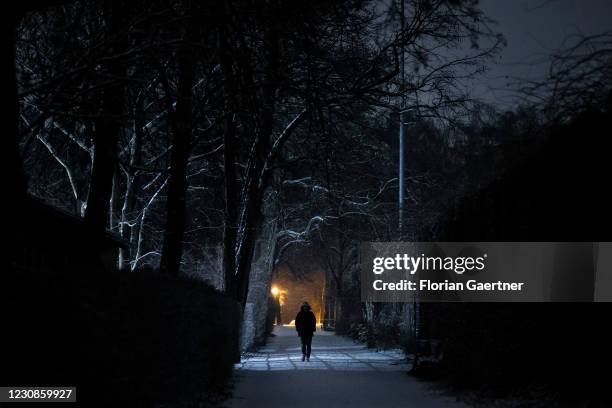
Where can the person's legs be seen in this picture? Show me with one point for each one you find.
(303, 347)
(308, 343)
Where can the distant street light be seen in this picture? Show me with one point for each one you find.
(278, 301)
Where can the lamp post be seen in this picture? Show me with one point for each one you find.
(401, 177)
(401, 134)
(401, 187)
(401, 173)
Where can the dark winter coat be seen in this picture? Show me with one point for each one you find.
(305, 323)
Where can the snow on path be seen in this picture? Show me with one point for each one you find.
(340, 373)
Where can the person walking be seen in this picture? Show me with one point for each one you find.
(305, 325)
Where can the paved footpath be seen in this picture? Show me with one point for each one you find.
(340, 373)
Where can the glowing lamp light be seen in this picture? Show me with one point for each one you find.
(275, 291)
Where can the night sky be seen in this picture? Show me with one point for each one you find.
(535, 29)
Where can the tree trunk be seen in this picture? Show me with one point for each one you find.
(172, 249)
(257, 171)
(229, 163)
(108, 126)
(229, 224)
(112, 213)
(17, 183)
(246, 243)
(131, 185)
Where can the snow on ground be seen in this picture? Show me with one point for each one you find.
(340, 373)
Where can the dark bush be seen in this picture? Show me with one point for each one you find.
(555, 194)
(122, 338)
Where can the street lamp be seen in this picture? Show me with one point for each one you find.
(276, 293)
